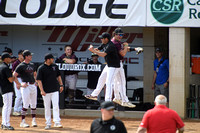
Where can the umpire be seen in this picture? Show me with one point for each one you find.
(48, 77)
(6, 82)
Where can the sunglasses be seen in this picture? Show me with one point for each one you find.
(120, 35)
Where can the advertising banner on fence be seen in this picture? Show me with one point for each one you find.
(52, 39)
(173, 13)
(73, 12)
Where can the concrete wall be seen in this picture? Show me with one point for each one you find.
(148, 42)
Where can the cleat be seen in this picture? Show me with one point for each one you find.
(16, 114)
(128, 104)
(47, 127)
(118, 101)
(91, 97)
(23, 124)
(34, 124)
(58, 125)
(8, 128)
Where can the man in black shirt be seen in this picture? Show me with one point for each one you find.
(48, 77)
(6, 83)
(107, 123)
(27, 72)
(110, 70)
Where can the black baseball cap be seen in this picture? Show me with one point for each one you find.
(159, 50)
(107, 105)
(48, 56)
(105, 35)
(20, 51)
(8, 50)
(118, 31)
(27, 53)
(5, 55)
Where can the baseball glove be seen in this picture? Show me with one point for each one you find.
(139, 50)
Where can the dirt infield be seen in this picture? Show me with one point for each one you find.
(82, 125)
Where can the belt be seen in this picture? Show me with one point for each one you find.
(30, 83)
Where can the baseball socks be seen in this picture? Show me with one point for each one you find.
(33, 113)
(23, 123)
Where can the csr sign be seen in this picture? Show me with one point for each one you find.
(167, 11)
(71, 5)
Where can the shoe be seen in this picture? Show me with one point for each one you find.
(47, 127)
(34, 124)
(128, 104)
(16, 114)
(58, 125)
(118, 101)
(7, 128)
(24, 124)
(1, 126)
(91, 97)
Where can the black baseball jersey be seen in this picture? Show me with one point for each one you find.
(5, 73)
(110, 126)
(112, 57)
(48, 75)
(93, 77)
(26, 71)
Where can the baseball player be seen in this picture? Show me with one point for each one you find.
(48, 77)
(18, 96)
(28, 87)
(6, 83)
(119, 82)
(113, 63)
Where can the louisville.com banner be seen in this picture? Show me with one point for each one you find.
(177, 13)
(73, 12)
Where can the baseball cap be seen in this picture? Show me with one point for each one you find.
(105, 35)
(118, 31)
(8, 50)
(159, 50)
(20, 51)
(27, 53)
(94, 54)
(48, 56)
(5, 55)
(107, 105)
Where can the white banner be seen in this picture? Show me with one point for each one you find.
(73, 12)
(173, 13)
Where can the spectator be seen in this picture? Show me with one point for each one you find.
(161, 119)
(6, 83)
(70, 76)
(160, 83)
(18, 95)
(107, 123)
(48, 77)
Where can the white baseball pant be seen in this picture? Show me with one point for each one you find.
(18, 97)
(7, 107)
(54, 98)
(101, 82)
(120, 85)
(111, 74)
(70, 81)
(29, 96)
